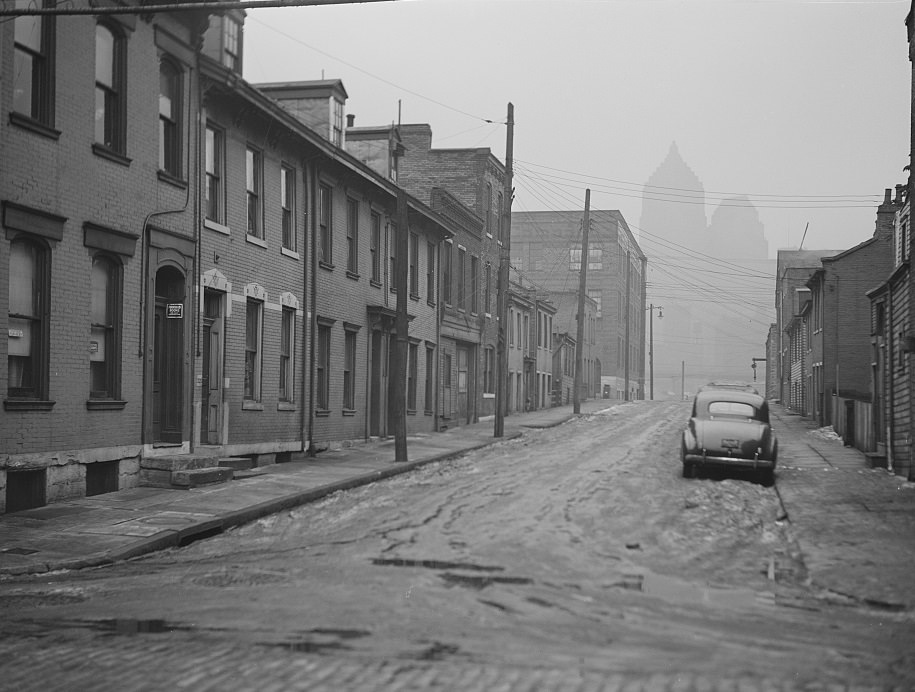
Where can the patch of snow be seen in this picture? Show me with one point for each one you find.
(826, 433)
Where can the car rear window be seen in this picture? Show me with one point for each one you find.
(731, 408)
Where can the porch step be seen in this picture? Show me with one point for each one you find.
(237, 463)
(183, 471)
(194, 478)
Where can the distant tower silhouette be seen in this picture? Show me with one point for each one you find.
(711, 278)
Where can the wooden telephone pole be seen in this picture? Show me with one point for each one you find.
(398, 375)
(582, 290)
(504, 257)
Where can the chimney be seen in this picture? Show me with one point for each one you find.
(886, 214)
(350, 119)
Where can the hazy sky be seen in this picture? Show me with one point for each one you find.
(802, 106)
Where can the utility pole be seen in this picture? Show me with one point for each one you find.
(504, 257)
(398, 375)
(628, 313)
(651, 308)
(582, 290)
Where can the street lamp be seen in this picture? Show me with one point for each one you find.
(651, 308)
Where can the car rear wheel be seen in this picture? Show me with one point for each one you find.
(689, 470)
(767, 477)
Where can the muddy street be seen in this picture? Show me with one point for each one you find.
(577, 546)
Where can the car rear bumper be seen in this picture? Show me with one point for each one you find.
(706, 460)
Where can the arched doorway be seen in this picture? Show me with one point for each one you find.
(168, 357)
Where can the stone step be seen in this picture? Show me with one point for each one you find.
(194, 478)
(179, 462)
(237, 463)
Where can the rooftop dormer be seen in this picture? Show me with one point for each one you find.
(224, 39)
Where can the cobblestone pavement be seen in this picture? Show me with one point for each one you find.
(142, 665)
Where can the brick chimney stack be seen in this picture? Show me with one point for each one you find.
(886, 214)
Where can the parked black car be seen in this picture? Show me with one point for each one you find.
(729, 428)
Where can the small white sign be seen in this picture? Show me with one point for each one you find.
(174, 311)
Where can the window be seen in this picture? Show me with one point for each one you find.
(446, 370)
(253, 316)
(322, 367)
(27, 345)
(325, 223)
(253, 175)
(109, 89)
(215, 160)
(352, 236)
(461, 287)
(499, 212)
(525, 335)
(412, 354)
(169, 119)
(446, 272)
(393, 257)
(287, 206)
(430, 272)
(231, 56)
(575, 257)
(428, 394)
(474, 280)
(520, 333)
(33, 65)
(487, 296)
(287, 345)
(414, 265)
(337, 134)
(349, 370)
(104, 329)
(487, 208)
(511, 326)
(375, 248)
(489, 360)
(595, 295)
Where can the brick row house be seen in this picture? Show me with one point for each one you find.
(99, 202)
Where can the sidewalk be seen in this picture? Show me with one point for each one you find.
(855, 525)
(98, 530)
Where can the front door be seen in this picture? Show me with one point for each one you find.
(211, 386)
(168, 357)
(378, 393)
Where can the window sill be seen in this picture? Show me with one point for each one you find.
(411, 411)
(325, 265)
(105, 405)
(32, 125)
(414, 297)
(428, 413)
(290, 253)
(349, 412)
(489, 395)
(322, 413)
(250, 405)
(216, 226)
(167, 177)
(352, 275)
(254, 240)
(28, 405)
(375, 283)
(430, 303)
(285, 406)
(104, 152)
